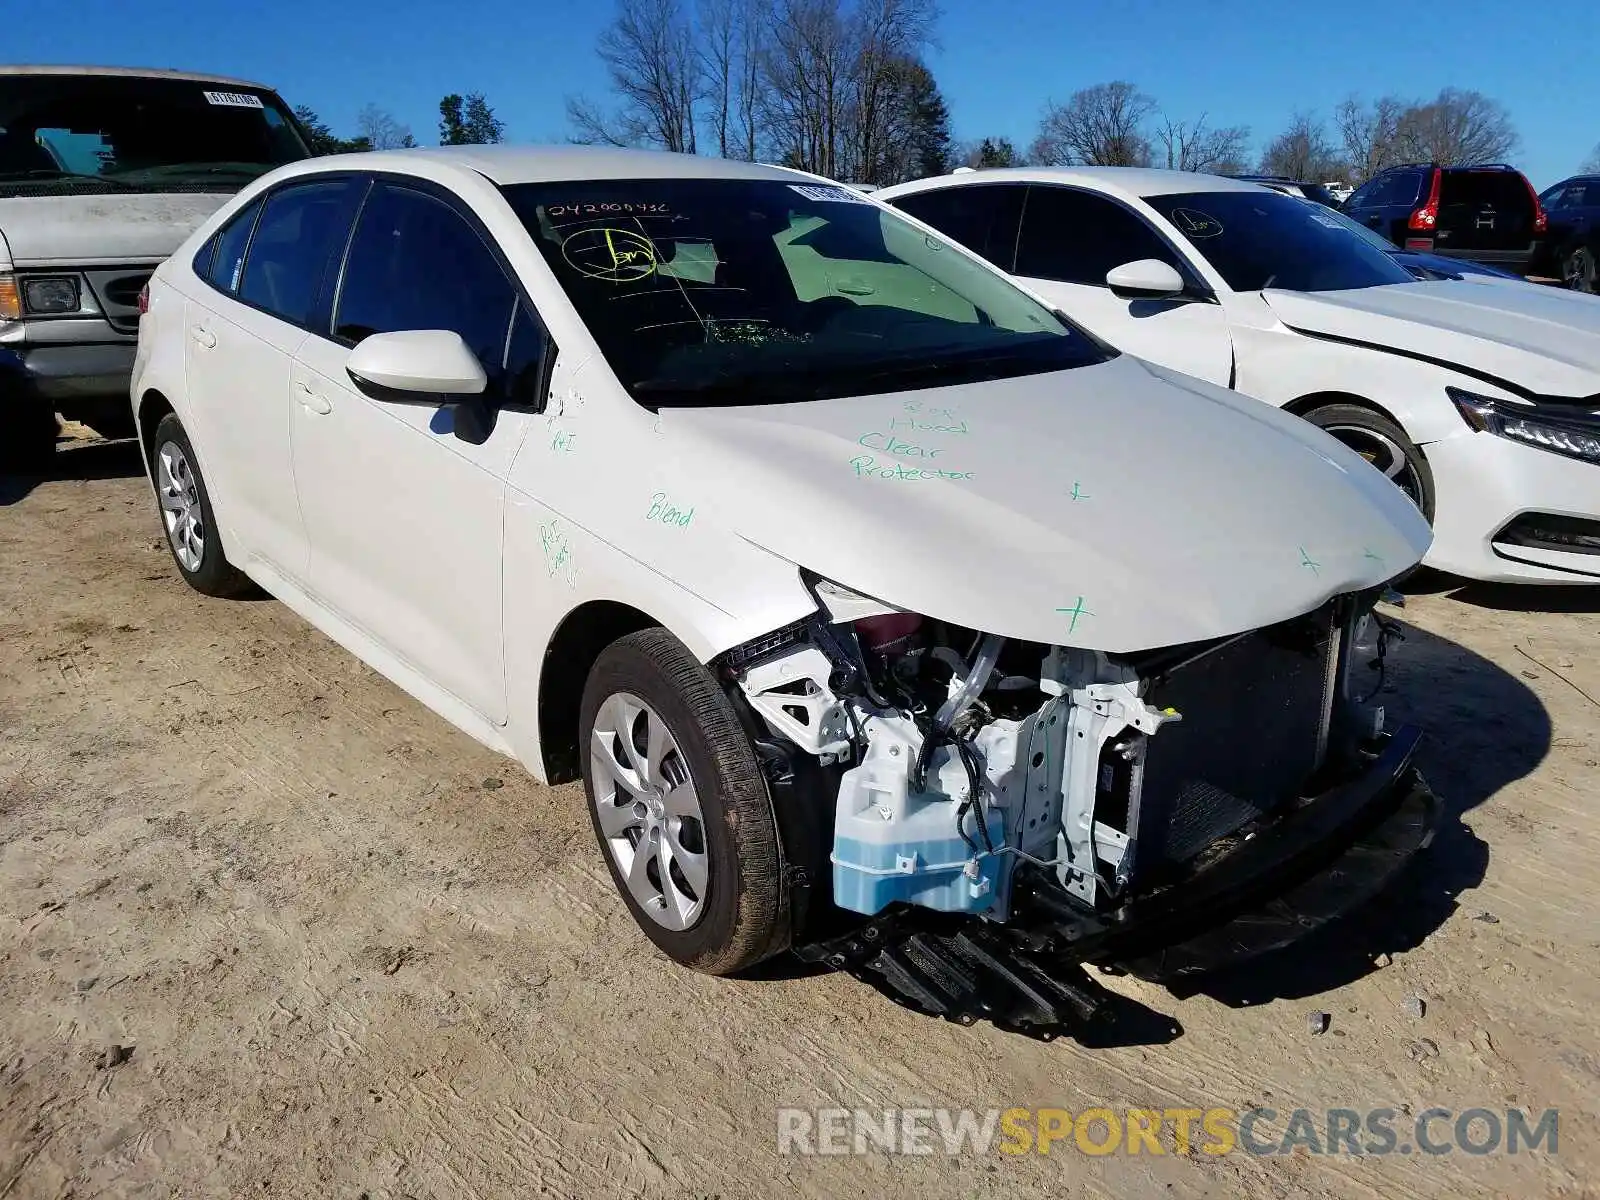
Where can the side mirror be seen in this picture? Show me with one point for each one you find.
(1146, 279)
(424, 366)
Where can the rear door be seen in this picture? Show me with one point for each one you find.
(264, 271)
(1387, 202)
(1483, 209)
(1072, 238)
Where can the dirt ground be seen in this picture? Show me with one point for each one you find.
(268, 927)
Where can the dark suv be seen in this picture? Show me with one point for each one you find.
(1485, 214)
(1572, 247)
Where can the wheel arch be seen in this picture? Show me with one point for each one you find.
(1304, 405)
(153, 405)
(569, 655)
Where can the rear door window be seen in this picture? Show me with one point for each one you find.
(1078, 237)
(226, 267)
(300, 230)
(982, 217)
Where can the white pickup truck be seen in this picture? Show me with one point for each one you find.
(103, 172)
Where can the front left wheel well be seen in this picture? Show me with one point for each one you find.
(576, 644)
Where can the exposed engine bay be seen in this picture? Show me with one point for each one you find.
(1036, 795)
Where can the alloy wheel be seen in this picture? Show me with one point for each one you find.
(649, 811)
(1578, 272)
(180, 506)
(1385, 454)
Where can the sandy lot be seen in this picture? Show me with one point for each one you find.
(268, 927)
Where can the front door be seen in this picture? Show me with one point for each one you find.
(1071, 239)
(405, 516)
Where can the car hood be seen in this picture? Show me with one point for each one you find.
(74, 230)
(1115, 507)
(1543, 340)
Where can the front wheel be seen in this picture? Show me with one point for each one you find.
(1383, 444)
(680, 806)
(1578, 271)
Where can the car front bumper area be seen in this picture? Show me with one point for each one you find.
(1303, 870)
(1308, 868)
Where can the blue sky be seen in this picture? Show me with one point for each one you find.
(1249, 62)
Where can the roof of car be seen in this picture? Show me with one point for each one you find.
(1128, 182)
(508, 165)
(127, 72)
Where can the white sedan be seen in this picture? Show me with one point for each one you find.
(849, 576)
(1481, 403)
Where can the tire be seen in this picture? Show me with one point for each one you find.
(735, 913)
(1383, 444)
(1579, 273)
(27, 437)
(184, 505)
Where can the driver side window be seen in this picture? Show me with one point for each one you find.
(415, 263)
(1076, 237)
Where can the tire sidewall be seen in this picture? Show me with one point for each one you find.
(703, 944)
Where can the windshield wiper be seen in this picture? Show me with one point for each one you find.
(51, 173)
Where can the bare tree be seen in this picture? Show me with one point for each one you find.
(1371, 136)
(382, 131)
(1458, 126)
(1302, 151)
(1592, 163)
(1193, 147)
(731, 34)
(649, 53)
(841, 81)
(1099, 126)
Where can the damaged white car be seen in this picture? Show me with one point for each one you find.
(886, 616)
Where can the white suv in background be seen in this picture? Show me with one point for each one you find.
(1482, 404)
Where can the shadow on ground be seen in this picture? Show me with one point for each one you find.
(1484, 729)
(88, 460)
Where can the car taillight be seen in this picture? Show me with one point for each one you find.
(144, 299)
(1425, 218)
(1541, 223)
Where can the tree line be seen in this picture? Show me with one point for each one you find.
(842, 88)
(463, 121)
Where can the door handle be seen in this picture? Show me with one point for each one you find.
(203, 336)
(312, 401)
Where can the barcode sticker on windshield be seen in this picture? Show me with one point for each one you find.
(234, 99)
(838, 195)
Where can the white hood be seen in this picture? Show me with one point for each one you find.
(1115, 507)
(67, 230)
(1542, 339)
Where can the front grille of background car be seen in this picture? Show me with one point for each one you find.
(1256, 714)
(117, 290)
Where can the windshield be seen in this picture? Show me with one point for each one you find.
(1258, 240)
(62, 134)
(738, 291)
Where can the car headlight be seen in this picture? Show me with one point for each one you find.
(50, 296)
(1576, 434)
